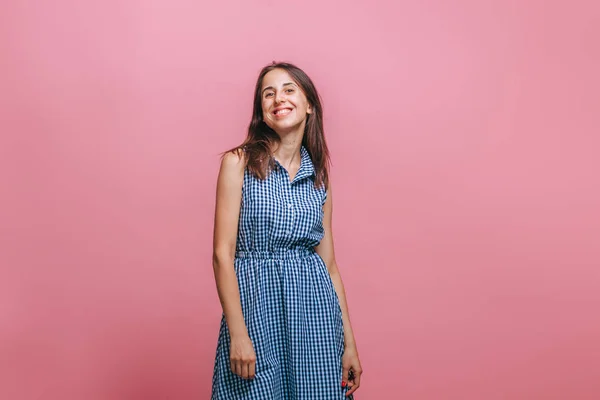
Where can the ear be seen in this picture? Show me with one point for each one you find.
(309, 109)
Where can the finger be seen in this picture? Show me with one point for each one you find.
(252, 370)
(345, 371)
(238, 368)
(355, 386)
(350, 380)
(352, 390)
(245, 371)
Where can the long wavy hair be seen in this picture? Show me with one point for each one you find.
(261, 138)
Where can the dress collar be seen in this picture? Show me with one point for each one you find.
(307, 169)
(306, 166)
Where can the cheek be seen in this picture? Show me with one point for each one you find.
(265, 108)
(303, 104)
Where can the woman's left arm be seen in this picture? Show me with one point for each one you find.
(350, 360)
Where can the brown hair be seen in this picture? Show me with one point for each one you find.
(258, 143)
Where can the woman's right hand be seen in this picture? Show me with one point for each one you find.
(242, 357)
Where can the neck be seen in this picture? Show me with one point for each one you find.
(287, 151)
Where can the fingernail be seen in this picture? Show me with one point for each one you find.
(343, 384)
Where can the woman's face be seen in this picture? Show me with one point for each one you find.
(284, 105)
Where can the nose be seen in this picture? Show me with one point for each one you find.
(280, 97)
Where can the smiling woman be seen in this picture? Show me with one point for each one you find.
(285, 331)
(288, 93)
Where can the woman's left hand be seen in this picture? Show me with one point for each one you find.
(351, 369)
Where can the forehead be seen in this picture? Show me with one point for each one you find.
(276, 78)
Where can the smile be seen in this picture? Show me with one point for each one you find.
(282, 112)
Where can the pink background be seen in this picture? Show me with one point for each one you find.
(465, 141)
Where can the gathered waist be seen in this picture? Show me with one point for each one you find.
(283, 254)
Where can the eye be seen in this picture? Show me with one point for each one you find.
(268, 94)
(290, 90)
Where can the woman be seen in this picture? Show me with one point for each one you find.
(285, 332)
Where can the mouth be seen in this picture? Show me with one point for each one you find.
(282, 112)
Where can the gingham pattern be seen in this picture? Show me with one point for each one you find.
(289, 303)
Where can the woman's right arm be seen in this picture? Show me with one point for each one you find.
(227, 211)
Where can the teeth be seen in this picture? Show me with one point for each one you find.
(285, 111)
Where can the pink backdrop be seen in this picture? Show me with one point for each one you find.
(465, 141)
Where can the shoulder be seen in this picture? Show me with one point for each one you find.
(234, 160)
(232, 167)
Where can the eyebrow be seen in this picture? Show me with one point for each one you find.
(271, 87)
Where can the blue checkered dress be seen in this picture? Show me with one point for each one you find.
(289, 303)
